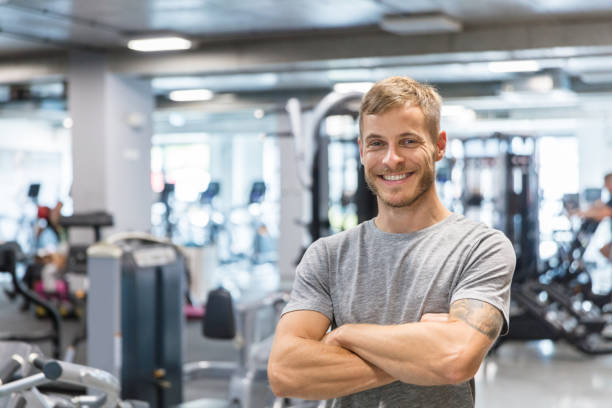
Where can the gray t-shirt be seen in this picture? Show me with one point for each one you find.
(365, 275)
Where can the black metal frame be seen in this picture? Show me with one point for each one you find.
(8, 263)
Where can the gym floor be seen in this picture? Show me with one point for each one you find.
(525, 374)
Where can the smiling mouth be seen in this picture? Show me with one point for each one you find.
(395, 177)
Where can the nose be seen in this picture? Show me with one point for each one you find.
(392, 157)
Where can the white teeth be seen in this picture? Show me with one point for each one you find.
(396, 177)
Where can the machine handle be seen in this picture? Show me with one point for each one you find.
(134, 235)
(10, 368)
(50, 368)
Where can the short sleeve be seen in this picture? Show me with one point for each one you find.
(311, 284)
(487, 275)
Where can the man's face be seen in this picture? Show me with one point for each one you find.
(399, 155)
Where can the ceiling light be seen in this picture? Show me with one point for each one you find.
(67, 123)
(176, 119)
(514, 66)
(419, 24)
(596, 77)
(159, 44)
(541, 83)
(344, 87)
(458, 112)
(258, 113)
(190, 95)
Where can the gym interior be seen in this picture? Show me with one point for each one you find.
(167, 163)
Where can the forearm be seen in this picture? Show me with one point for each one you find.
(425, 353)
(309, 369)
(597, 212)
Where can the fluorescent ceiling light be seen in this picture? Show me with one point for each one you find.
(159, 44)
(514, 66)
(190, 95)
(596, 77)
(345, 87)
(419, 24)
(458, 112)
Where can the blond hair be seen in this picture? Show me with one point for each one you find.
(397, 91)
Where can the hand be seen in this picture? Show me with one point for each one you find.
(434, 317)
(331, 338)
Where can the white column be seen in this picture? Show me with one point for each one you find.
(111, 142)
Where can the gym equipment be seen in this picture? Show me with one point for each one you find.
(499, 186)
(95, 220)
(23, 359)
(571, 202)
(334, 204)
(135, 324)
(592, 195)
(62, 278)
(26, 235)
(253, 346)
(558, 316)
(10, 254)
(134, 315)
(219, 322)
(244, 235)
(551, 300)
(558, 303)
(214, 218)
(28, 223)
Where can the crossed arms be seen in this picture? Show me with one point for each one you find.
(440, 349)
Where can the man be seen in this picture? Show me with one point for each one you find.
(598, 212)
(415, 297)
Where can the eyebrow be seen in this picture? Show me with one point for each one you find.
(377, 136)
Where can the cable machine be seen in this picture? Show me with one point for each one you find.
(338, 194)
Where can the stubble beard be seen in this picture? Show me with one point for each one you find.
(424, 185)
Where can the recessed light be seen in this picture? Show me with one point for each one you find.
(159, 44)
(344, 87)
(514, 66)
(190, 95)
(419, 24)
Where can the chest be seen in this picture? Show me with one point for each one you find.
(391, 288)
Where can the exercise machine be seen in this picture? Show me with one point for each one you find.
(329, 166)
(10, 255)
(135, 323)
(24, 371)
(134, 316)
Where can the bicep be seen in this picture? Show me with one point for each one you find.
(306, 324)
(479, 316)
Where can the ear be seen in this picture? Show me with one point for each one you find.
(360, 149)
(441, 146)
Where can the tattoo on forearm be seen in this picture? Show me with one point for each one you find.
(479, 315)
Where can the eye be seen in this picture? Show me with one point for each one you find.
(407, 142)
(375, 143)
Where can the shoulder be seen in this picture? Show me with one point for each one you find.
(343, 238)
(480, 236)
(475, 229)
(489, 243)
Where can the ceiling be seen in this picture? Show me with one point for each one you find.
(37, 25)
(303, 47)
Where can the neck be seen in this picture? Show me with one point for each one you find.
(426, 211)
